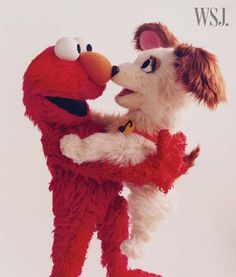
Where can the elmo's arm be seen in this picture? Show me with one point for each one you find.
(161, 169)
(164, 167)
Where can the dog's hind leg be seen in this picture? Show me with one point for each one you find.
(148, 206)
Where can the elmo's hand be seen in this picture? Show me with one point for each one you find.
(163, 168)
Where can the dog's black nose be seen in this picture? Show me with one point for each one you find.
(114, 70)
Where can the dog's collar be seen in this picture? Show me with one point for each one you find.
(129, 128)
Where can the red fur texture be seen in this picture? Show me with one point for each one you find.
(170, 162)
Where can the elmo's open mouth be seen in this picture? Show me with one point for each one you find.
(125, 92)
(76, 107)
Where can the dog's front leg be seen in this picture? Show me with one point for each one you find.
(113, 147)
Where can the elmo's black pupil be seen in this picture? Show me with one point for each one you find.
(89, 47)
(78, 48)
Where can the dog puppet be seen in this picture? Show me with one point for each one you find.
(158, 85)
(86, 198)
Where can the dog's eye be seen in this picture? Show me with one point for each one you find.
(67, 49)
(149, 66)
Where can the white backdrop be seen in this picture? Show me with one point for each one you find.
(199, 239)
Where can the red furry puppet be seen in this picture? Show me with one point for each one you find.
(86, 197)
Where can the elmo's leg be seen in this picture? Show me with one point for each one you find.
(112, 233)
(69, 250)
(75, 221)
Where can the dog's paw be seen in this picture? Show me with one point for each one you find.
(72, 147)
(132, 248)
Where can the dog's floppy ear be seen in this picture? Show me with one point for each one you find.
(198, 71)
(154, 35)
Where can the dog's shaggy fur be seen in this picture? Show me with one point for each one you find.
(154, 94)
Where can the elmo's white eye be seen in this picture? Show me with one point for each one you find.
(67, 49)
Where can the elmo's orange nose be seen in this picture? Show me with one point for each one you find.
(96, 66)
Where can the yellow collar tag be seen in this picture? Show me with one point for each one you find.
(128, 128)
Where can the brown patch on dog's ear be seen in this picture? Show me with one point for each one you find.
(154, 35)
(198, 71)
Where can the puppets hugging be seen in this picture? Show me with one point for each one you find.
(85, 197)
(156, 88)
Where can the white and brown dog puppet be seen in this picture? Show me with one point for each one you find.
(158, 85)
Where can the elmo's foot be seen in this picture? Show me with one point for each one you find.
(134, 273)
